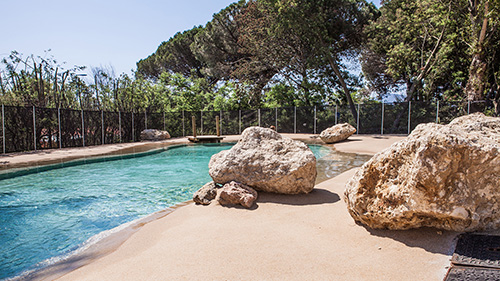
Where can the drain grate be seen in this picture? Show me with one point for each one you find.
(472, 274)
(477, 250)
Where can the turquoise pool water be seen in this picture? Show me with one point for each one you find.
(51, 213)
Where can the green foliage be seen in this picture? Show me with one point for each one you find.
(282, 53)
(427, 47)
(173, 56)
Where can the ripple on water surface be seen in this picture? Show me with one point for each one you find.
(47, 214)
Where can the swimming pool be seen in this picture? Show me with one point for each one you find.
(53, 212)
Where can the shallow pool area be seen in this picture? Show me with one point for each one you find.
(53, 212)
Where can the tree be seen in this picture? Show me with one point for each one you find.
(435, 49)
(416, 44)
(173, 56)
(484, 24)
(217, 44)
(219, 47)
(34, 81)
(314, 37)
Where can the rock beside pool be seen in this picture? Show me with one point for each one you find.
(205, 194)
(443, 176)
(234, 193)
(266, 161)
(337, 133)
(154, 135)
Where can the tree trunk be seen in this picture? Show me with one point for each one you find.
(475, 85)
(409, 96)
(1, 85)
(477, 71)
(56, 99)
(410, 92)
(347, 93)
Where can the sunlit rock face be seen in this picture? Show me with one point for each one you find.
(154, 135)
(266, 161)
(234, 193)
(443, 176)
(205, 194)
(337, 133)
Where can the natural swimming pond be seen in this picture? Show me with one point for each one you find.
(54, 212)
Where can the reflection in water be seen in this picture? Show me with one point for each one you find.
(335, 163)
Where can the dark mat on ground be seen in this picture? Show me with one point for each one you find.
(459, 273)
(477, 250)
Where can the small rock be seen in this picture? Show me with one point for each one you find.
(154, 135)
(337, 133)
(205, 194)
(234, 193)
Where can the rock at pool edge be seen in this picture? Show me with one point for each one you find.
(266, 161)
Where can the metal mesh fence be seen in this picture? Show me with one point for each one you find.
(371, 117)
(450, 111)
(396, 118)
(249, 118)
(175, 124)
(230, 123)
(325, 117)
(422, 112)
(209, 124)
(286, 122)
(71, 128)
(268, 117)
(112, 130)
(154, 121)
(18, 128)
(31, 128)
(47, 128)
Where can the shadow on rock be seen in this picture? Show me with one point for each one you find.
(430, 239)
(315, 197)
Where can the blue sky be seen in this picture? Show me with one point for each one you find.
(97, 33)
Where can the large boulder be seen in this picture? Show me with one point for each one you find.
(205, 194)
(266, 161)
(154, 135)
(234, 193)
(443, 176)
(337, 133)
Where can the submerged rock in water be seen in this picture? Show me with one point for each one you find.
(205, 194)
(337, 133)
(154, 135)
(266, 161)
(234, 193)
(440, 176)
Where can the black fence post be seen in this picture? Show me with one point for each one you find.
(382, 123)
(83, 131)
(34, 128)
(3, 128)
(120, 125)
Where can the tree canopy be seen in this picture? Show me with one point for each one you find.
(258, 53)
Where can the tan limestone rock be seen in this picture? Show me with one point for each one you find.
(444, 176)
(205, 194)
(266, 161)
(234, 193)
(337, 133)
(154, 135)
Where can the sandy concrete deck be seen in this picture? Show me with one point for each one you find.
(300, 237)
